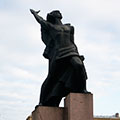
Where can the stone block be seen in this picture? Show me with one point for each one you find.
(79, 106)
(48, 113)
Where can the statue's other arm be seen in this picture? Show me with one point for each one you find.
(72, 39)
(72, 34)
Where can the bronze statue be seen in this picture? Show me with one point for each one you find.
(66, 68)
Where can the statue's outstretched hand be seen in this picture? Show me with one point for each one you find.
(33, 11)
(37, 11)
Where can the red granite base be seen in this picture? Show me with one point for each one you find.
(77, 107)
(47, 113)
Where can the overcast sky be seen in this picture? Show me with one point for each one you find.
(23, 68)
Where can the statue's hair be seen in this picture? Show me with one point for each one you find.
(55, 14)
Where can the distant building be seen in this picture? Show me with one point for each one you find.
(117, 115)
(113, 117)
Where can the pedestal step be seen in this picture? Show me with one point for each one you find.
(48, 113)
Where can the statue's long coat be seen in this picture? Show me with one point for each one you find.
(61, 77)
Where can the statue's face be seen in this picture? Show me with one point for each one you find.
(53, 15)
(56, 14)
(50, 18)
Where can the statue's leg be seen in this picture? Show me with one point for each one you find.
(53, 101)
(44, 92)
(46, 86)
(55, 96)
(81, 76)
(49, 84)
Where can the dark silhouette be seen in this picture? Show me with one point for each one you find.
(66, 68)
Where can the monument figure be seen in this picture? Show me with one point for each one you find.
(66, 68)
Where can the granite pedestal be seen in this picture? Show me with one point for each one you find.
(77, 107)
(48, 113)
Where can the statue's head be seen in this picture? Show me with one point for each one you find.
(53, 15)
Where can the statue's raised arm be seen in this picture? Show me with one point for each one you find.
(38, 18)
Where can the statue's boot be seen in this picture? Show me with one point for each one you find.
(84, 89)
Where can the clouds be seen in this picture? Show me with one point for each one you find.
(21, 64)
(18, 86)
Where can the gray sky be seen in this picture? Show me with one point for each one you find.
(23, 68)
